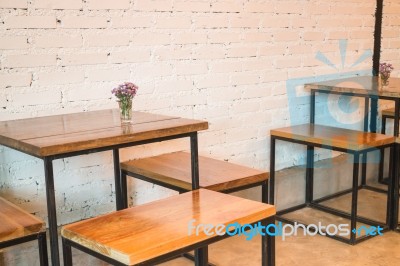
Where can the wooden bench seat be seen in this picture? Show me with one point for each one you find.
(18, 226)
(346, 139)
(158, 230)
(173, 170)
(356, 143)
(388, 112)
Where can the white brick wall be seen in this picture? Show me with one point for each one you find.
(224, 61)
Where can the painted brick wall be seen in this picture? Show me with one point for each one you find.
(391, 35)
(225, 61)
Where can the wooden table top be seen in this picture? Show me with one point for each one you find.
(352, 140)
(52, 135)
(174, 169)
(363, 85)
(143, 232)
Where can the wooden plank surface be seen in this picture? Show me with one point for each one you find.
(174, 169)
(388, 112)
(15, 222)
(332, 136)
(52, 135)
(143, 232)
(360, 85)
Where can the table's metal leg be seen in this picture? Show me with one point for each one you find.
(374, 114)
(310, 174)
(118, 184)
(366, 113)
(364, 158)
(312, 107)
(271, 195)
(390, 193)
(395, 187)
(194, 152)
(396, 117)
(51, 210)
(354, 198)
(201, 254)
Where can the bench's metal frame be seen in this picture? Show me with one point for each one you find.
(316, 204)
(267, 249)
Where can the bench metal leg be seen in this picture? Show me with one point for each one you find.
(124, 187)
(67, 253)
(264, 192)
(354, 197)
(201, 256)
(381, 164)
(268, 244)
(383, 129)
(44, 261)
(364, 169)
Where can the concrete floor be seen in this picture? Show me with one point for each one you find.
(296, 250)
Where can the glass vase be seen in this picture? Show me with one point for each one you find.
(125, 110)
(385, 80)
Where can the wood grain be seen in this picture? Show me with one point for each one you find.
(140, 233)
(364, 85)
(44, 136)
(15, 222)
(388, 112)
(351, 140)
(174, 169)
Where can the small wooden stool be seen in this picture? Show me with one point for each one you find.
(18, 226)
(344, 140)
(173, 171)
(161, 230)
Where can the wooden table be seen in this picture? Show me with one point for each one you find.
(61, 136)
(369, 88)
(364, 86)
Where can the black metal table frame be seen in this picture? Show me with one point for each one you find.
(267, 249)
(367, 96)
(49, 179)
(310, 202)
(396, 118)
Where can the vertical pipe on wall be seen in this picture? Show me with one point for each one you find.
(376, 58)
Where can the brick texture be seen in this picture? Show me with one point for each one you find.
(225, 61)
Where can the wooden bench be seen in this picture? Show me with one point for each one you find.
(173, 171)
(353, 142)
(160, 230)
(18, 226)
(388, 113)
